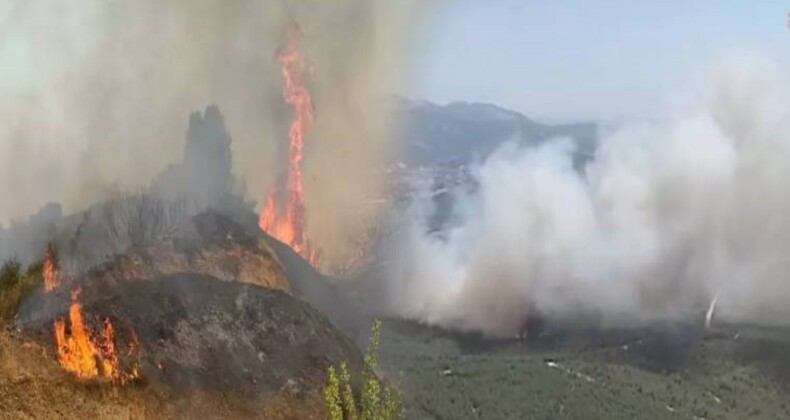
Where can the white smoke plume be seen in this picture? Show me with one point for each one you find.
(665, 217)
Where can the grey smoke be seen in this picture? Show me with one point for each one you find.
(665, 217)
(204, 176)
(25, 240)
(95, 98)
(126, 218)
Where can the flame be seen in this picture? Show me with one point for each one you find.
(50, 270)
(86, 357)
(106, 349)
(286, 222)
(75, 351)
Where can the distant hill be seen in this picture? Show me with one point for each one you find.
(464, 131)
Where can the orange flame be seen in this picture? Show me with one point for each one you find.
(50, 270)
(84, 356)
(75, 351)
(286, 222)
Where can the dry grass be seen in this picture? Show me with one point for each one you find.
(32, 386)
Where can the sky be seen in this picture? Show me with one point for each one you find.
(578, 59)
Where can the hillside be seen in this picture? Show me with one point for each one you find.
(235, 342)
(34, 386)
(208, 313)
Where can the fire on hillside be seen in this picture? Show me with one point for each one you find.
(283, 214)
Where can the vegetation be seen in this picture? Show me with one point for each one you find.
(133, 220)
(377, 401)
(332, 396)
(347, 393)
(15, 284)
(580, 378)
(34, 386)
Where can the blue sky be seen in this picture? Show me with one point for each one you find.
(577, 59)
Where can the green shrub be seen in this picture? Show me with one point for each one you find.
(393, 403)
(371, 388)
(349, 404)
(15, 285)
(332, 396)
(10, 275)
(375, 404)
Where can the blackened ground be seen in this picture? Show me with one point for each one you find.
(308, 284)
(198, 332)
(322, 292)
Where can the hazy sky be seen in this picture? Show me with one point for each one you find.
(578, 59)
(560, 60)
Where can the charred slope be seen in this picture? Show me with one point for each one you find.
(304, 281)
(197, 332)
(320, 291)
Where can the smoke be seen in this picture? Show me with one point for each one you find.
(96, 94)
(663, 218)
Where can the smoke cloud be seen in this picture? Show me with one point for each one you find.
(95, 97)
(665, 216)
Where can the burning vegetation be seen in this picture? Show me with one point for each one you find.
(49, 270)
(88, 355)
(80, 352)
(283, 214)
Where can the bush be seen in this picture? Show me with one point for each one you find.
(371, 388)
(334, 410)
(10, 275)
(347, 394)
(15, 285)
(375, 404)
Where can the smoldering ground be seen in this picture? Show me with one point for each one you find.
(665, 216)
(96, 94)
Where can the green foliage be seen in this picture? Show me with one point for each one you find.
(349, 404)
(332, 396)
(371, 388)
(376, 403)
(392, 404)
(10, 274)
(15, 285)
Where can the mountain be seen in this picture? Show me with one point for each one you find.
(468, 131)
